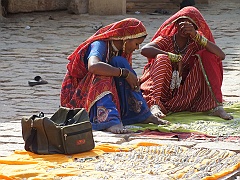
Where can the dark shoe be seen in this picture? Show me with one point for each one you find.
(37, 81)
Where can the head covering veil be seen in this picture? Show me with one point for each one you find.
(168, 28)
(129, 28)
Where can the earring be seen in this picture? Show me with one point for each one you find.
(124, 46)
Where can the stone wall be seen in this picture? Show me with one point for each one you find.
(17, 6)
(3, 8)
(78, 6)
(73, 6)
(107, 7)
(1, 14)
(150, 6)
(153, 5)
(82, 6)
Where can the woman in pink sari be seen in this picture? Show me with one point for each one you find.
(184, 70)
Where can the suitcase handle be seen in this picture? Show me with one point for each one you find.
(33, 135)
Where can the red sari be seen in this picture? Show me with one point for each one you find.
(81, 88)
(200, 89)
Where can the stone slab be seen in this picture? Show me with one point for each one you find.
(107, 7)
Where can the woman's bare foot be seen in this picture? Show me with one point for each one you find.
(155, 120)
(118, 129)
(220, 112)
(156, 111)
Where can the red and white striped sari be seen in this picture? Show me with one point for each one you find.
(200, 89)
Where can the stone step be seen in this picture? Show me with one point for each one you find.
(151, 6)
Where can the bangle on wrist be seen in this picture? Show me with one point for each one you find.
(125, 73)
(174, 57)
(197, 37)
(200, 39)
(203, 41)
(121, 72)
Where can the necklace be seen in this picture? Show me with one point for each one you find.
(114, 50)
(176, 47)
(114, 47)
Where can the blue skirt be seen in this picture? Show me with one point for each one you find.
(104, 114)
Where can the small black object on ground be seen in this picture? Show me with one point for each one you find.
(160, 11)
(37, 81)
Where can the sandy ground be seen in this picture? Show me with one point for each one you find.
(34, 44)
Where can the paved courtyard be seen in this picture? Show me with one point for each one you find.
(38, 44)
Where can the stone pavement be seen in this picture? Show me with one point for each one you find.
(39, 43)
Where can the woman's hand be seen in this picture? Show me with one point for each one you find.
(187, 28)
(133, 81)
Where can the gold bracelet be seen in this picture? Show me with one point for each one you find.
(174, 57)
(121, 71)
(197, 37)
(203, 41)
(200, 39)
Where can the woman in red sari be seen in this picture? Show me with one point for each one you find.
(184, 70)
(100, 78)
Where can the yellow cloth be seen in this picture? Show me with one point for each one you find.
(23, 164)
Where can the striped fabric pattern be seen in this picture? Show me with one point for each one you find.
(200, 89)
(193, 94)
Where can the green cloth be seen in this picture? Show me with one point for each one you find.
(200, 122)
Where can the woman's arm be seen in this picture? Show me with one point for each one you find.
(211, 47)
(151, 49)
(188, 28)
(96, 55)
(96, 66)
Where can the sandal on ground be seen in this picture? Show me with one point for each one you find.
(37, 81)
